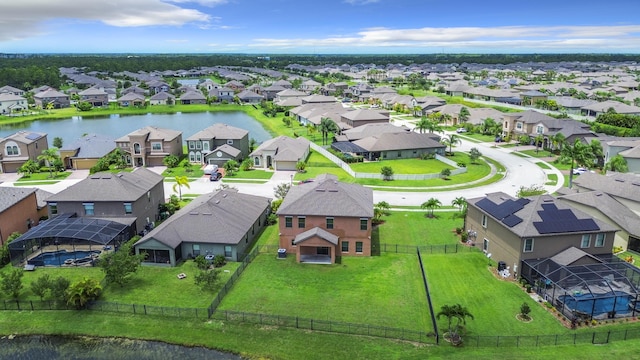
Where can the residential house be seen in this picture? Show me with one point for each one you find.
(324, 219)
(367, 130)
(309, 86)
(135, 89)
(362, 117)
(598, 108)
(531, 97)
(281, 153)
(394, 145)
(18, 211)
(216, 144)
(7, 89)
(20, 147)
(129, 198)
(284, 84)
(132, 99)
(627, 147)
(511, 230)
(222, 94)
(235, 85)
(192, 97)
(158, 86)
(150, 145)
(270, 92)
(95, 96)
(312, 114)
(624, 188)
(289, 97)
(51, 98)
(522, 123)
(162, 98)
(224, 222)
(85, 152)
(318, 99)
(10, 103)
(250, 97)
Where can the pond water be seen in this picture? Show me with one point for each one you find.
(116, 126)
(77, 348)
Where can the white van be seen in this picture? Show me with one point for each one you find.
(210, 169)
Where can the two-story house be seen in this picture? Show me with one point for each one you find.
(511, 230)
(95, 96)
(8, 89)
(150, 145)
(131, 198)
(522, 123)
(11, 103)
(20, 147)
(51, 98)
(18, 211)
(218, 144)
(323, 219)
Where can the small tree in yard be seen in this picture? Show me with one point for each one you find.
(456, 317)
(82, 292)
(387, 173)
(246, 164)
(171, 161)
(230, 167)
(445, 173)
(201, 262)
(530, 191)
(474, 155)
(383, 206)
(11, 282)
(41, 286)
(219, 260)
(180, 182)
(59, 287)
(281, 190)
(29, 167)
(301, 166)
(57, 142)
(524, 311)
(207, 279)
(118, 265)
(431, 205)
(186, 165)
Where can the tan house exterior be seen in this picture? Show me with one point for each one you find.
(53, 98)
(95, 96)
(85, 152)
(19, 148)
(150, 145)
(18, 211)
(281, 153)
(512, 230)
(325, 219)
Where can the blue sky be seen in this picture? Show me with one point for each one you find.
(321, 27)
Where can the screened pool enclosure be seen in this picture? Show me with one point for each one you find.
(69, 240)
(591, 287)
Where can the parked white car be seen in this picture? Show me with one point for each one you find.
(580, 170)
(461, 130)
(210, 169)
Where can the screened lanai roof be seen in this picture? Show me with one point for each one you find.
(100, 231)
(599, 279)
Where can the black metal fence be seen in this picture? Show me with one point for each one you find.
(427, 249)
(429, 302)
(149, 310)
(324, 325)
(574, 338)
(35, 305)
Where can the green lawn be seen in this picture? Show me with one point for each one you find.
(553, 179)
(44, 176)
(195, 172)
(538, 154)
(381, 290)
(479, 137)
(315, 159)
(73, 274)
(250, 174)
(543, 165)
(414, 228)
(402, 166)
(464, 278)
(160, 286)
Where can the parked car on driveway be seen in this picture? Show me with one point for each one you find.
(210, 169)
(215, 176)
(461, 130)
(578, 171)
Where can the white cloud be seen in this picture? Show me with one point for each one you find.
(23, 18)
(505, 37)
(201, 2)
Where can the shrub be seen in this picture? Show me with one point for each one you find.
(219, 260)
(201, 262)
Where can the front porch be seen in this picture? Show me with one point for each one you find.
(316, 259)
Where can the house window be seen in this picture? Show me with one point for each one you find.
(192, 145)
(196, 249)
(256, 161)
(192, 157)
(136, 148)
(288, 221)
(519, 125)
(205, 146)
(227, 251)
(198, 145)
(345, 246)
(301, 222)
(53, 208)
(198, 157)
(586, 241)
(359, 247)
(399, 154)
(128, 208)
(364, 224)
(88, 208)
(539, 129)
(293, 242)
(12, 150)
(329, 223)
(229, 142)
(599, 240)
(156, 146)
(485, 245)
(484, 220)
(149, 195)
(528, 245)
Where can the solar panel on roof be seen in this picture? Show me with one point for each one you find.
(33, 136)
(512, 220)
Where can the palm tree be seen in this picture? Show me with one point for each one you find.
(579, 153)
(180, 182)
(558, 140)
(454, 312)
(489, 126)
(49, 156)
(450, 140)
(430, 125)
(617, 163)
(464, 114)
(538, 140)
(460, 202)
(598, 153)
(431, 205)
(327, 126)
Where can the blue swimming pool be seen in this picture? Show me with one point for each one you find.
(58, 258)
(603, 304)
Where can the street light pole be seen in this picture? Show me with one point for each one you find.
(291, 182)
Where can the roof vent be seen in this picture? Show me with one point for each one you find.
(207, 213)
(217, 201)
(320, 190)
(598, 194)
(619, 180)
(193, 213)
(224, 195)
(635, 183)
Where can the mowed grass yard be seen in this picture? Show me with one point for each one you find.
(384, 290)
(414, 228)
(402, 166)
(464, 278)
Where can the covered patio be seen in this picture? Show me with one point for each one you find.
(67, 234)
(316, 246)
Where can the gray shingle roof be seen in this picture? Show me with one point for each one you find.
(222, 217)
(286, 148)
(571, 255)
(316, 231)
(10, 196)
(219, 131)
(92, 146)
(625, 186)
(399, 141)
(26, 137)
(124, 186)
(153, 133)
(328, 197)
(374, 129)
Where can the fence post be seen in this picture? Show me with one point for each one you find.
(498, 341)
(31, 302)
(608, 334)
(556, 343)
(297, 322)
(145, 309)
(311, 324)
(625, 334)
(537, 337)
(593, 338)
(134, 308)
(18, 304)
